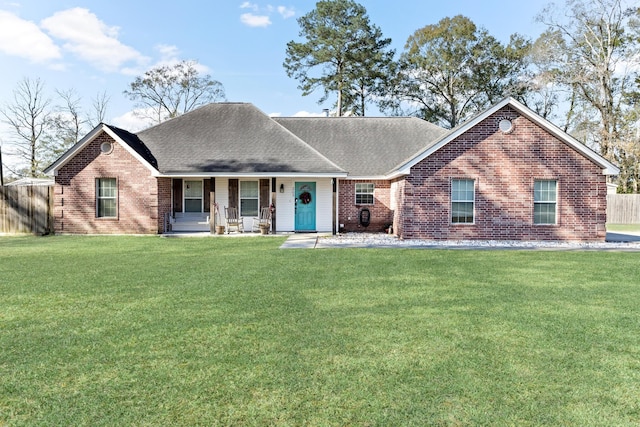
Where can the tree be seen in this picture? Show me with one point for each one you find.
(100, 105)
(29, 116)
(595, 43)
(591, 45)
(65, 127)
(453, 69)
(167, 91)
(349, 54)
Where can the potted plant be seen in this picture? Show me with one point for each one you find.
(264, 228)
(219, 225)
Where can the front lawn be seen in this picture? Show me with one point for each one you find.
(152, 331)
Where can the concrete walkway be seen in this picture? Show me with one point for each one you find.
(623, 236)
(614, 241)
(301, 241)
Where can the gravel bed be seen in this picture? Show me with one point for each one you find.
(364, 240)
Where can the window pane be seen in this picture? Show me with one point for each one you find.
(364, 193)
(193, 189)
(364, 199)
(544, 191)
(249, 207)
(462, 190)
(249, 192)
(106, 207)
(462, 201)
(544, 213)
(107, 187)
(249, 189)
(192, 205)
(462, 212)
(364, 187)
(106, 195)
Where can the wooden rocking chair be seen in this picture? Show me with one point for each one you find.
(233, 219)
(264, 220)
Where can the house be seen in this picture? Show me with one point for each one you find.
(505, 174)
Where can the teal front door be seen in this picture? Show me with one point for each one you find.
(305, 206)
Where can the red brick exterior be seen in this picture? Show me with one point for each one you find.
(504, 167)
(142, 199)
(381, 214)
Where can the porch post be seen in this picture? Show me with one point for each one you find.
(212, 206)
(273, 204)
(334, 182)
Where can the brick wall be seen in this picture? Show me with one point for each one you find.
(381, 211)
(504, 167)
(139, 211)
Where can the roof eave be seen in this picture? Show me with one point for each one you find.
(608, 168)
(252, 174)
(71, 153)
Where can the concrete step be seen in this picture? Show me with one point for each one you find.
(190, 224)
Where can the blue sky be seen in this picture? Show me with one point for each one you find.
(96, 45)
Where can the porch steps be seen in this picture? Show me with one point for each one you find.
(190, 224)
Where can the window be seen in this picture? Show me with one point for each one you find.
(106, 198)
(249, 192)
(193, 196)
(364, 193)
(544, 201)
(462, 201)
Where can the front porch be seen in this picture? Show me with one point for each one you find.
(190, 222)
(201, 222)
(299, 204)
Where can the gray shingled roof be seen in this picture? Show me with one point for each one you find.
(365, 146)
(134, 142)
(230, 138)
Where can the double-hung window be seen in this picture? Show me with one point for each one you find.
(545, 201)
(462, 201)
(249, 193)
(106, 198)
(364, 193)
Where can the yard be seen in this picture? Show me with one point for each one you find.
(152, 331)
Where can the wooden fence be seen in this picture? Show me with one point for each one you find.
(26, 209)
(29, 209)
(623, 208)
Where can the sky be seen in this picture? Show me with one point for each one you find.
(95, 46)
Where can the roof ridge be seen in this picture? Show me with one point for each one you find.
(331, 162)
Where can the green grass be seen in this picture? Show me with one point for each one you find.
(151, 331)
(623, 227)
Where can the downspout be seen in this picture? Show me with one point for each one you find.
(334, 182)
(213, 211)
(273, 205)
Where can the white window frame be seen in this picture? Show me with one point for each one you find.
(456, 199)
(545, 202)
(100, 197)
(243, 213)
(185, 197)
(363, 189)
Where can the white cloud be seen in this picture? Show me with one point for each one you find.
(249, 5)
(286, 12)
(252, 20)
(260, 16)
(133, 121)
(24, 39)
(168, 53)
(90, 39)
(308, 114)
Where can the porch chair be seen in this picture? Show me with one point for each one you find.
(233, 219)
(263, 219)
